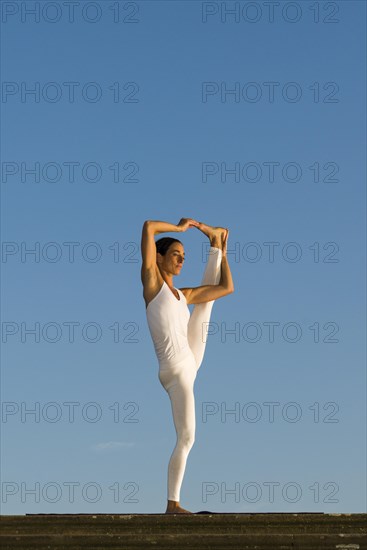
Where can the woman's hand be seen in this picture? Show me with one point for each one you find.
(185, 223)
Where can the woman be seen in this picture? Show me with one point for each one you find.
(177, 336)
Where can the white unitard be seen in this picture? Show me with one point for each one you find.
(179, 341)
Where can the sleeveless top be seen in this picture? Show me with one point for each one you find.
(167, 319)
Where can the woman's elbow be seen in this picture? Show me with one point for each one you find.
(225, 290)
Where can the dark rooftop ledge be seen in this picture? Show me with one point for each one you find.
(299, 530)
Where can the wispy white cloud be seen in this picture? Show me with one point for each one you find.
(112, 446)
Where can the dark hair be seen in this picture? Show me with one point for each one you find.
(164, 243)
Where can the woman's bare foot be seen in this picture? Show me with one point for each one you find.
(214, 234)
(174, 507)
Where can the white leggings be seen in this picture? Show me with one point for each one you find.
(179, 381)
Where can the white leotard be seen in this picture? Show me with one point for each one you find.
(179, 346)
(167, 319)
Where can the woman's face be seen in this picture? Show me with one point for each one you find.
(173, 260)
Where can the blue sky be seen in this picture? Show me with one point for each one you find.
(151, 133)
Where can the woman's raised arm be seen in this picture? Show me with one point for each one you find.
(153, 227)
(165, 227)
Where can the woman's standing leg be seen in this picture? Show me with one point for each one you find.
(180, 389)
(200, 316)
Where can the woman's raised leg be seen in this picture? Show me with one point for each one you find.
(200, 316)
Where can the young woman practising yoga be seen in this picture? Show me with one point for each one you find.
(178, 336)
